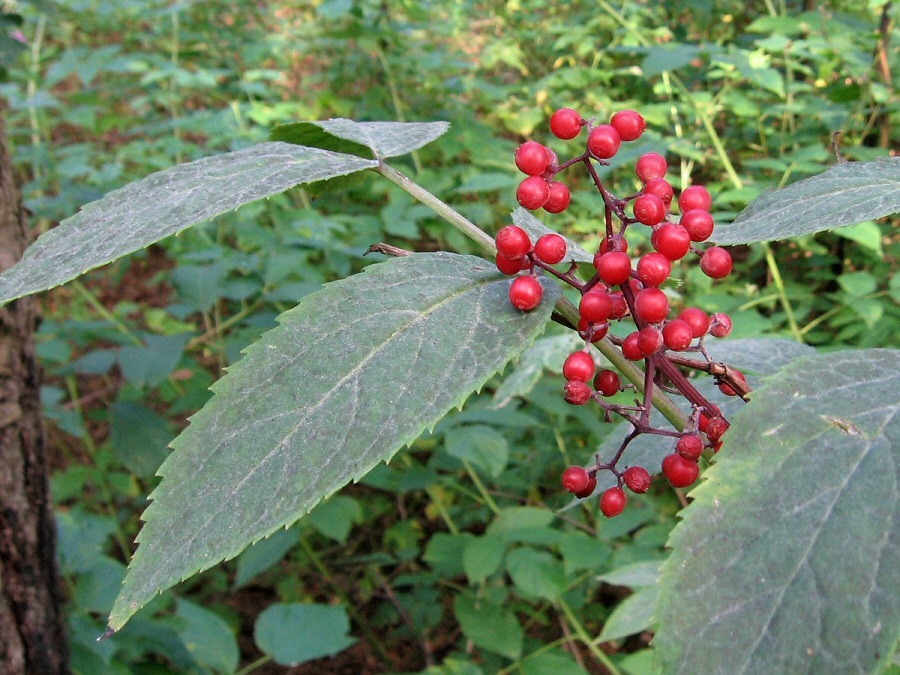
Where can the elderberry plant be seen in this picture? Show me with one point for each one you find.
(659, 335)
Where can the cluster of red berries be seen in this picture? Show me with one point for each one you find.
(620, 288)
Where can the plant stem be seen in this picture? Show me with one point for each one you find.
(782, 294)
(586, 639)
(492, 505)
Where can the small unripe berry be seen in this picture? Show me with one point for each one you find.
(595, 306)
(533, 193)
(650, 339)
(565, 123)
(629, 123)
(716, 262)
(672, 240)
(653, 269)
(697, 319)
(677, 335)
(650, 166)
(719, 325)
(604, 141)
(575, 479)
(690, 447)
(698, 223)
(576, 392)
(614, 267)
(613, 501)
(681, 472)
(558, 198)
(637, 478)
(694, 197)
(579, 366)
(631, 348)
(513, 242)
(651, 305)
(607, 382)
(532, 158)
(550, 248)
(525, 293)
(649, 209)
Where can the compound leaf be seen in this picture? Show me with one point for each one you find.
(353, 373)
(163, 203)
(846, 194)
(788, 560)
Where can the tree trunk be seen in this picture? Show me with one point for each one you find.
(32, 634)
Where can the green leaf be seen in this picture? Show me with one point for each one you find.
(383, 139)
(264, 554)
(762, 355)
(790, 552)
(846, 194)
(335, 518)
(515, 522)
(482, 557)
(537, 229)
(139, 437)
(164, 203)
(546, 353)
(352, 374)
(483, 446)
(635, 575)
(866, 234)
(536, 573)
(208, 638)
(296, 633)
(489, 626)
(632, 615)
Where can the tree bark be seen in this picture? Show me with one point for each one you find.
(32, 634)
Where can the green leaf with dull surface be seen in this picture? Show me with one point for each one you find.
(536, 229)
(846, 194)
(164, 203)
(788, 560)
(353, 373)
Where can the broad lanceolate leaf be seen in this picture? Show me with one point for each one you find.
(537, 229)
(353, 373)
(788, 560)
(846, 194)
(384, 139)
(164, 203)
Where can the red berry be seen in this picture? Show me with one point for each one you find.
(511, 265)
(649, 340)
(533, 192)
(620, 307)
(650, 166)
(525, 293)
(613, 501)
(681, 472)
(649, 209)
(604, 141)
(589, 490)
(661, 188)
(694, 197)
(614, 267)
(651, 305)
(576, 392)
(575, 479)
(550, 248)
(614, 243)
(719, 325)
(726, 388)
(629, 124)
(532, 158)
(631, 348)
(690, 447)
(565, 123)
(653, 269)
(558, 199)
(672, 240)
(677, 335)
(697, 319)
(637, 478)
(594, 331)
(698, 223)
(513, 242)
(579, 366)
(595, 306)
(716, 262)
(716, 428)
(607, 382)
